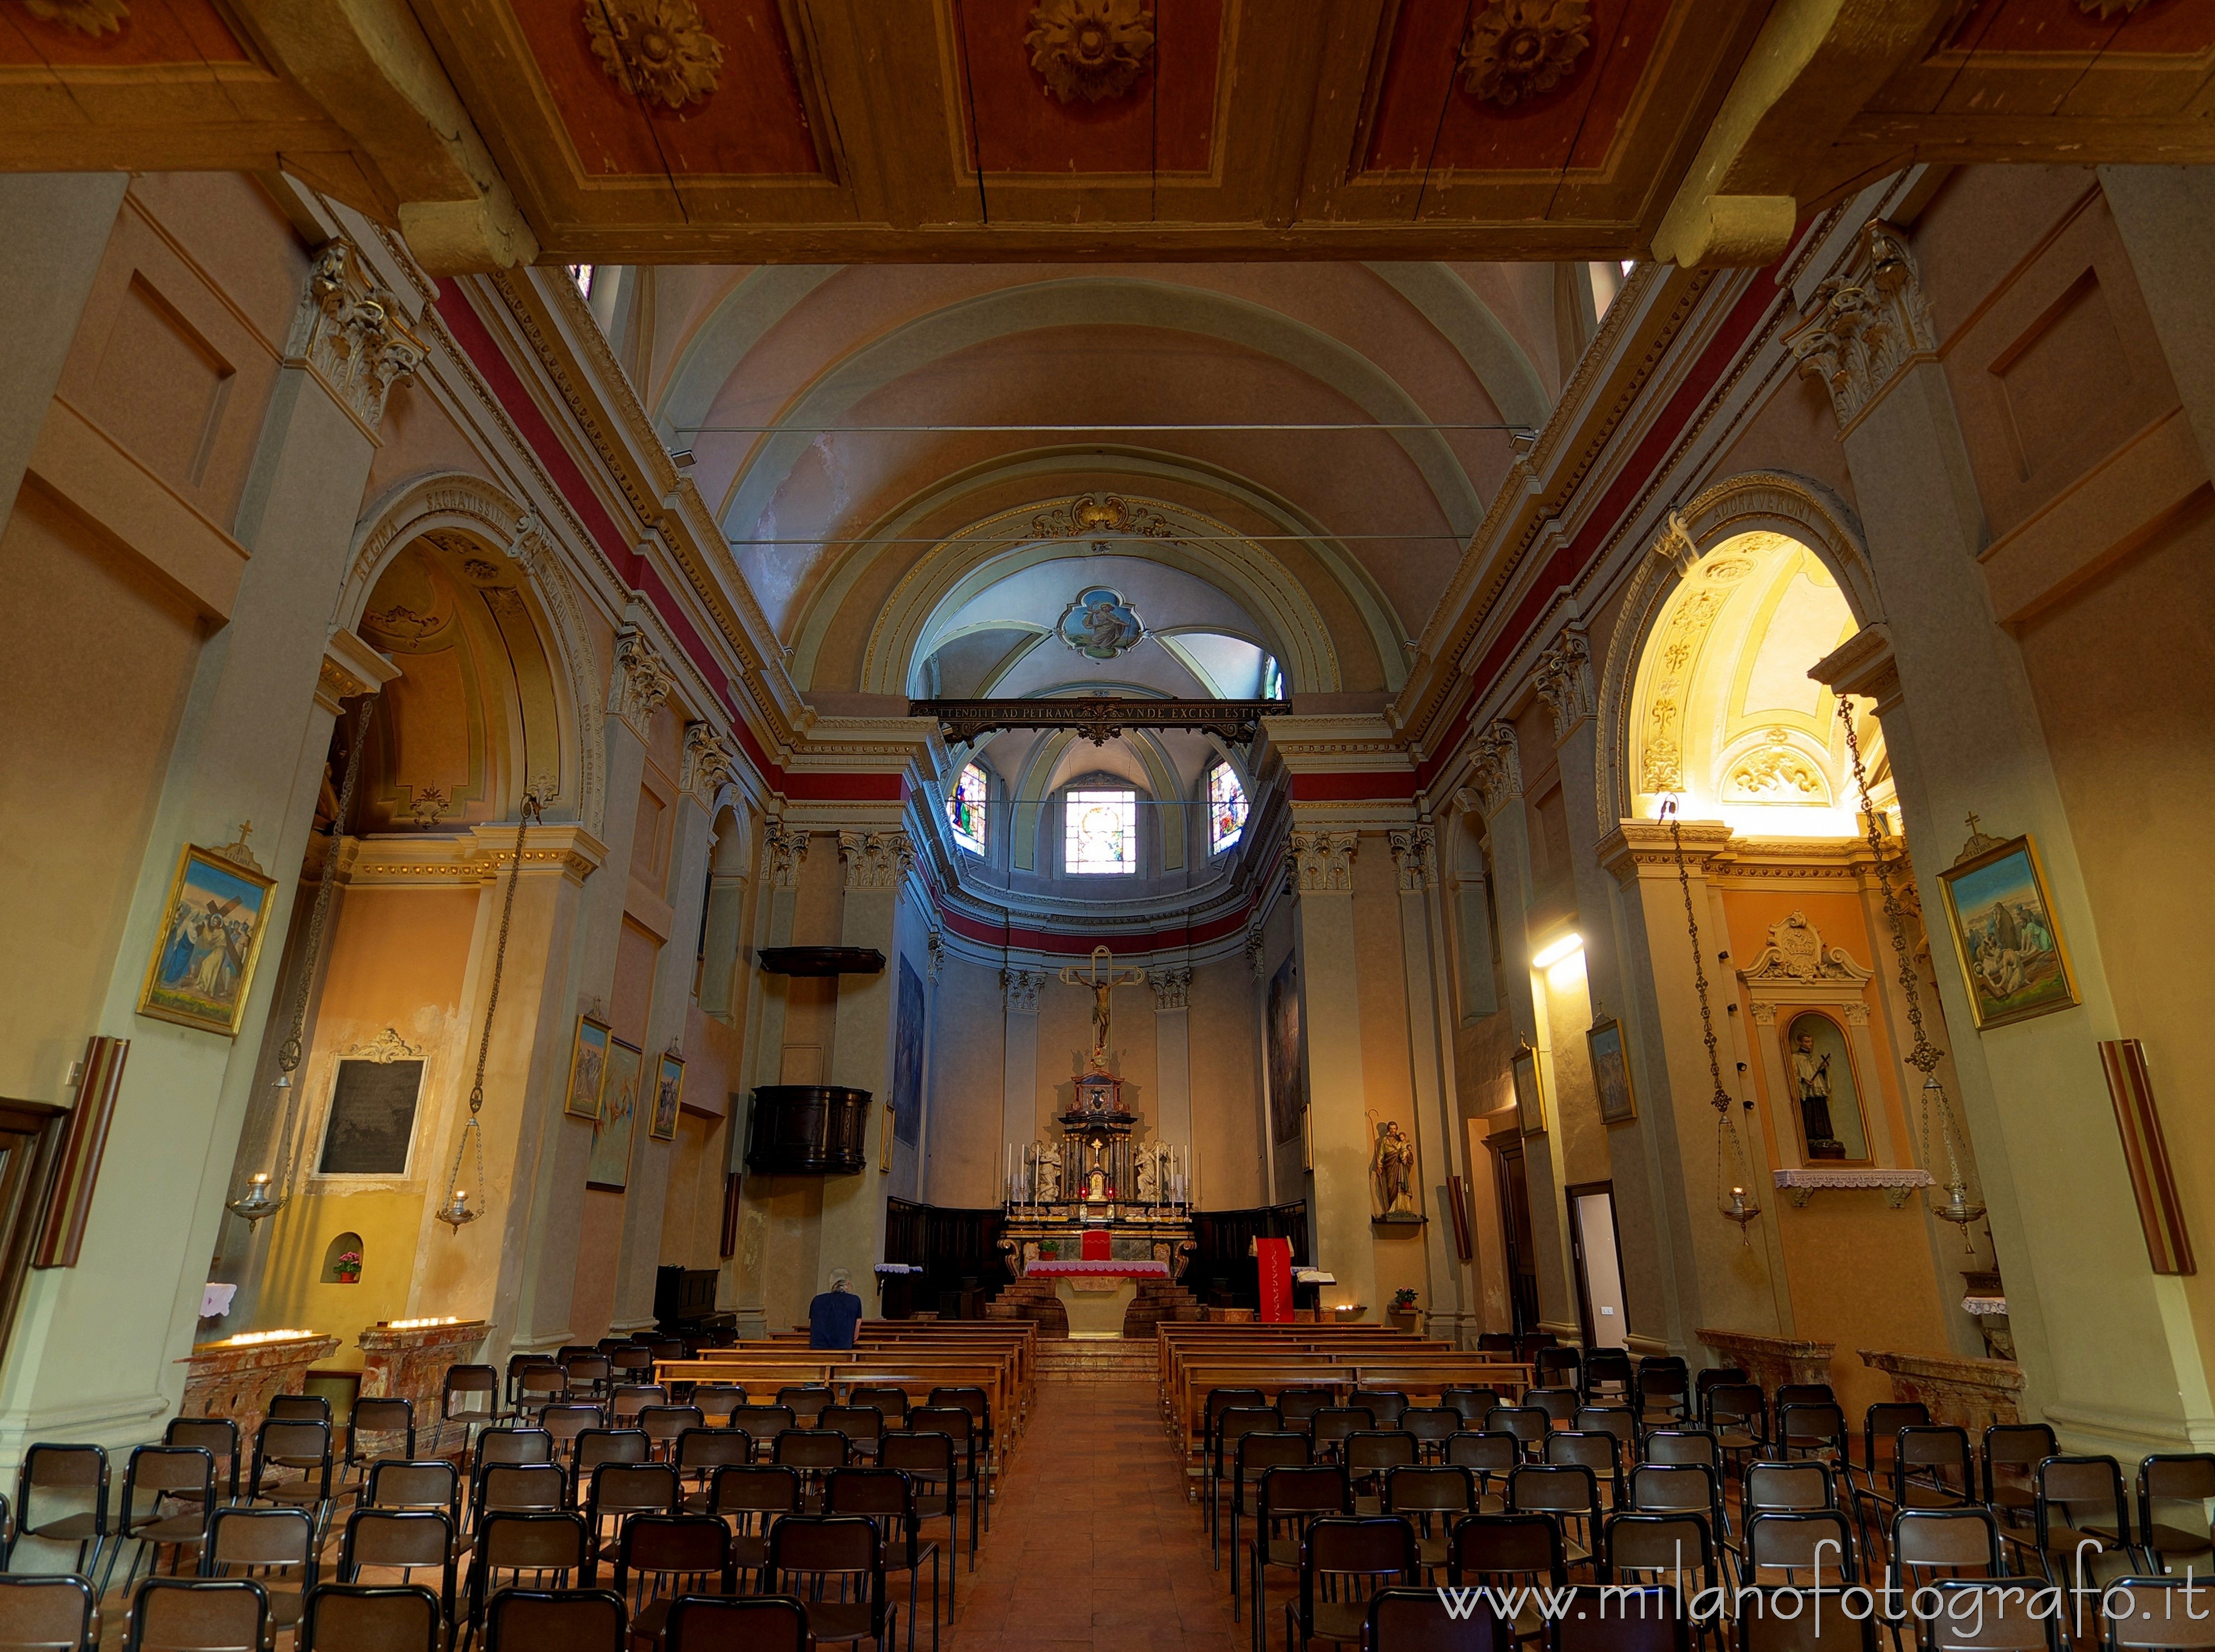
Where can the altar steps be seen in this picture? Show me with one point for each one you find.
(1033, 1300)
(1157, 1300)
(1103, 1361)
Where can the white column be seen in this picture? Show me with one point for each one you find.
(853, 1232)
(707, 765)
(1967, 736)
(1019, 991)
(1449, 1298)
(784, 850)
(1331, 1021)
(1172, 1053)
(637, 689)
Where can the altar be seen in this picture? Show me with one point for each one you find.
(1097, 1212)
(1095, 1287)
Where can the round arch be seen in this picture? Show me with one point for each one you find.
(1291, 625)
(1777, 503)
(454, 502)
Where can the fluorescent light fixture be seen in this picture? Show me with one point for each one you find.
(1553, 951)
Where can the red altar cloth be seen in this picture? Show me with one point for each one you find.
(1090, 1269)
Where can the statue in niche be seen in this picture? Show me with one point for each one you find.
(1811, 1076)
(1049, 1173)
(1395, 1169)
(1145, 1174)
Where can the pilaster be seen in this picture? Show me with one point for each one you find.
(876, 864)
(1337, 1094)
(1019, 991)
(1172, 1053)
(1430, 1060)
(1966, 736)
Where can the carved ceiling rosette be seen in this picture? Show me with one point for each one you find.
(1091, 49)
(656, 49)
(1517, 49)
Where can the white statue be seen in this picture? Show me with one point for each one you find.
(1146, 1171)
(1049, 1173)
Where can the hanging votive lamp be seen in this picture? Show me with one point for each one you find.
(455, 1209)
(1960, 1207)
(265, 1194)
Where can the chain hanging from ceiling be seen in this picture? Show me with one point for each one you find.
(456, 1210)
(269, 1191)
(1960, 1208)
(1740, 1204)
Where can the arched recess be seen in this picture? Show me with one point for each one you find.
(475, 513)
(730, 866)
(731, 331)
(1098, 301)
(1290, 626)
(1754, 503)
(1149, 479)
(1030, 789)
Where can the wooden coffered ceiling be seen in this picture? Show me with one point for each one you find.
(840, 130)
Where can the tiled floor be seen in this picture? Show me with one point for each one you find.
(1093, 1544)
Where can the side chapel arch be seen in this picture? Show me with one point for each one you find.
(454, 502)
(1771, 503)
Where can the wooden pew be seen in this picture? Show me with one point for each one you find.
(764, 1370)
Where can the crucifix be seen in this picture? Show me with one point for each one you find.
(1101, 979)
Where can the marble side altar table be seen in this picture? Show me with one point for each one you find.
(237, 1377)
(407, 1359)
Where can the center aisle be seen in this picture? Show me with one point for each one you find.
(1093, 1544)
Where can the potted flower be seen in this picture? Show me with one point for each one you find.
(1403, 1307)
(348, 1265)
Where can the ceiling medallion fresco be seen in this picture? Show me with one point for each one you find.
(1090, 49)
(93, 17)
(1517, 49)
(655, 49)
(1100, 624)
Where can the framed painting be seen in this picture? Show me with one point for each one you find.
(2004, 936)
(668, 1093)
(212, 926)
(609, 1165)
(1611, 1069)
(588, 1069)
(1529, 1091)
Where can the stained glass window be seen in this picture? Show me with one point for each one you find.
(1226, 808)
(965, 808)
(1102, 831)
(582, 275)
(1273, 680)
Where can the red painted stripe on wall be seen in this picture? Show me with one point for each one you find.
(1574, 559)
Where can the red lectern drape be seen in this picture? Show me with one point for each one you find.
(1274, 1256)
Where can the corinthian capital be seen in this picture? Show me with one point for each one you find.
(783, 850)
(641, 682)
(875, 859)
(708, 762)
(1020, 989)
(1172, 988)
(1863, 326)
(346, 332)
(1498, 765)
(1324, 861)
(1564, 679)
(1414, 856)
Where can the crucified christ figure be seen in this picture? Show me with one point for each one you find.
(1101, 979)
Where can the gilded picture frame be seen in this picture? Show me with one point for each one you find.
(668, 1096)
(2010, 947)
(1529, 1091)
(213, 924)
(608, 1167)
(588, 1069)
(1611, 1069)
